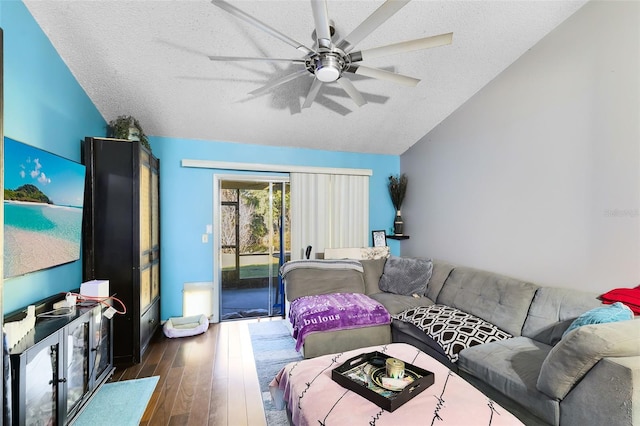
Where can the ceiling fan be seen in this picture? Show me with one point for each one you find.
(330, 60)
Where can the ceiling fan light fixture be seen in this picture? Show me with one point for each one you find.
(328, 68)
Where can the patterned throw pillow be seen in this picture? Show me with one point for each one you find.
(453, 329)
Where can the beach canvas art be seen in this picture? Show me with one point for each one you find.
(43, 200)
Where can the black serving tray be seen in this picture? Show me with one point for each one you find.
(351, 376)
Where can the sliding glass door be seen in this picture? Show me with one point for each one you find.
(253, 243)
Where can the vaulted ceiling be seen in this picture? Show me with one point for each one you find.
(150, 59)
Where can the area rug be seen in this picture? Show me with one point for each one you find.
(126, 399)
(273, 348)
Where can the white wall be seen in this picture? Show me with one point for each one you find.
(538, 175)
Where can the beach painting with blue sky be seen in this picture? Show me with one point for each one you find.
(43, 200)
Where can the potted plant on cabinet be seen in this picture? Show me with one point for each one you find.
(127, 127)
(397, 191)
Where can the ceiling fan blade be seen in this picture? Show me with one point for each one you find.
(377, 18)
(313, 92)
(321, 19)
(278, 82)
(250, 59)
(351, 90)
(260, 25)
(383, 75)
(405, 46)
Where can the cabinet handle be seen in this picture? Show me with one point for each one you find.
(63, 380)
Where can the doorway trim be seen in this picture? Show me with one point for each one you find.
(217, 212)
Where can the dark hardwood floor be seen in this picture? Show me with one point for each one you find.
(209, 379)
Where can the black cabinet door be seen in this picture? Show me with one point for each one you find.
(76, 371)
(36, 378)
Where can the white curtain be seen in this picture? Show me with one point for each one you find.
(328, 211)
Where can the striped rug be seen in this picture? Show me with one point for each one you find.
(273, 348)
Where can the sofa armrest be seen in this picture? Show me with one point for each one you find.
(608, 394)
(311, 282)
(580, 350)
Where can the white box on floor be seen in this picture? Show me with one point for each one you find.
(95, 288)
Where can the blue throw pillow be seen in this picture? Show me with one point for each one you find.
(616, 312)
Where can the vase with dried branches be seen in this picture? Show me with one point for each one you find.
(397, 191)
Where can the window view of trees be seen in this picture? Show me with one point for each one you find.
(256, 217)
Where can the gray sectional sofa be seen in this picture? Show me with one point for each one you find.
(589, 377)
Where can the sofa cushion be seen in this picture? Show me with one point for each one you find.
(373, 269)
(613, 313)
(336, 311)
(406, 276)
(396, 303)
(511, 366)
(500, 300)
(553, 310)
(439, 275)
(452, 328)
(581, 349)
(333, 342)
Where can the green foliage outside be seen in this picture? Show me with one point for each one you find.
(29, 193)
(259, 200)
(256, 221)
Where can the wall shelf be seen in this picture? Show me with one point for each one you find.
(398, 237)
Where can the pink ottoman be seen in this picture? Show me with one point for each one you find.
(313, 398)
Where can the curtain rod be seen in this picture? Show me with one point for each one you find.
(256, 167)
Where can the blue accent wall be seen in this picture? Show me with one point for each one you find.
(44, 106)
(187, 201)
(47, 108)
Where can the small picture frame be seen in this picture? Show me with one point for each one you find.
(379, 238)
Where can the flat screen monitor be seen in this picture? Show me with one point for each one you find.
(43, 201)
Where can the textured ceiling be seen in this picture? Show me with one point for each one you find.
(149, 59)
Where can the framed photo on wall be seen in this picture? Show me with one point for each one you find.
(379, 238)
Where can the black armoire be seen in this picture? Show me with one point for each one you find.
(122, 237)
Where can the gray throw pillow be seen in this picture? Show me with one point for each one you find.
(406, 276)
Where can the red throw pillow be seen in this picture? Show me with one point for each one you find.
(628, 296)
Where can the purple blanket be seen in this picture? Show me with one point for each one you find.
(336, 311)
